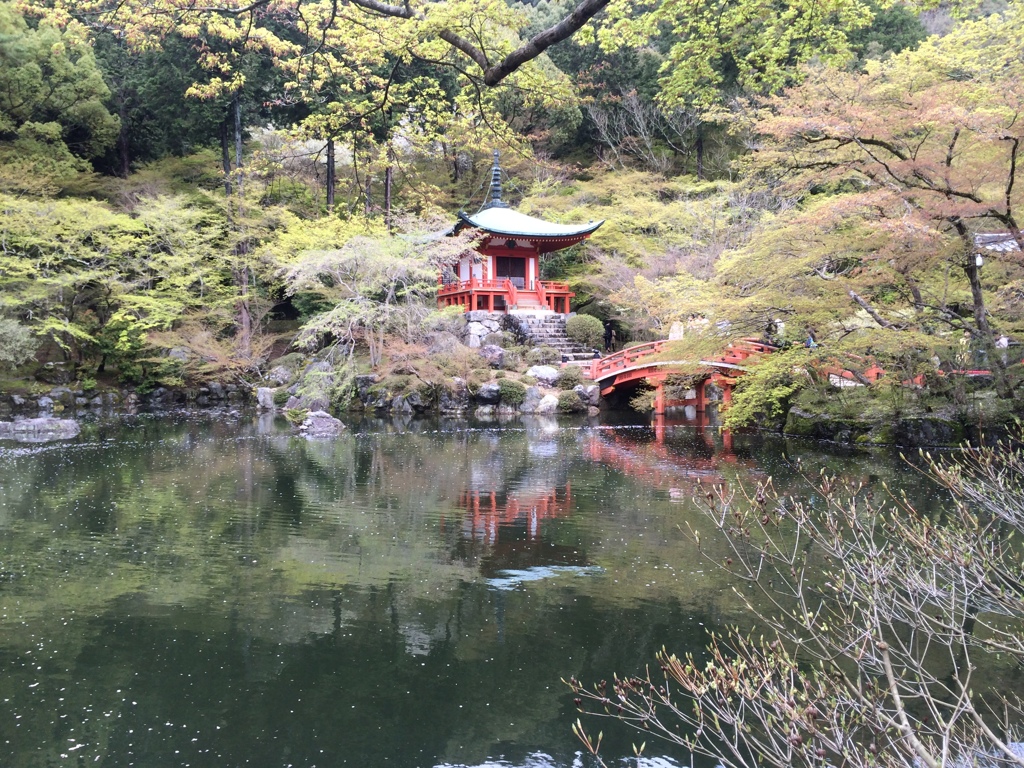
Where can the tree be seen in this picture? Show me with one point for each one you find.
(52, 115)
(892, 634)
(376, 286)
(730, 46)
(930, 138)
(475, 34)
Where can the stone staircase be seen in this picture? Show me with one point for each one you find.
(547, 328)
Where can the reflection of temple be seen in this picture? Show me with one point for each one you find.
(503, 531)
(488, 513)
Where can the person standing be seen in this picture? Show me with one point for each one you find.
(1002, 344)
(609, 335)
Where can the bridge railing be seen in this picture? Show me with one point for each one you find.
(623, 359)
(738, 350)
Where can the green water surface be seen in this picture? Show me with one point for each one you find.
(215, 591)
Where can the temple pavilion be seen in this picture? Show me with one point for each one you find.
(504, 273)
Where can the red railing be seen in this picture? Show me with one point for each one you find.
(626, 358)
(738, 350)
(474, 283)
(513, 294)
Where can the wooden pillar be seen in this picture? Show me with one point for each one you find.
(659, 399)
(726, 394)
(701, 396)
(490, 302)
(659, 428)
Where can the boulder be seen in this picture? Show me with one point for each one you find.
(62, 395)
(454, 399)
(493, 354)
(279, 375)
(545, 374)
(531, 400)
(401, 404)
(443, 343)
(547, 404)
(321, 424)
(479, 325)
(40, 430)
(55, 373)
(364, 386)
(180, 353)
(488, 393)
(45, 403)
(475, 333)
(265, 399)
(589, 394)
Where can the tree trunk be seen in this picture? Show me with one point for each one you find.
(388, 176)
(244, 312)
(984, 336)
(122, 141)
(238, 140)
(698, 148)
(330, 173)
(367, 207)
(225, 157)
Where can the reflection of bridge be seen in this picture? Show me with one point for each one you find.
(647, 363)
(661, 465)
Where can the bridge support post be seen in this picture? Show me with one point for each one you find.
(659, 399)
(700, 395)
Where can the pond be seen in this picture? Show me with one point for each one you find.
(212, 590)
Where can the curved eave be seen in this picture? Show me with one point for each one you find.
(509, 223)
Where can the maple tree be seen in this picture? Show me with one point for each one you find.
(928, 143)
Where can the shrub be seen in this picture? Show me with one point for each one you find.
(569, 402)
(281, 396)
(543, 356)
(497, 339)
(511, 392)
(512, 360)
(569, 377)
(500, 375)
(585, 330)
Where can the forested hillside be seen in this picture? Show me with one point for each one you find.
(189, 193)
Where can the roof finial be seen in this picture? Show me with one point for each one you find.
(496, 201)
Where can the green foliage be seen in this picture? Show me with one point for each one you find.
(16, 343)
(52, 116)
(570, 402)
(745, 45)
(569, 377)
(643, 400)
(281, 396)
(763, 394)
(511, 392)
(585, 330)
(543, 356)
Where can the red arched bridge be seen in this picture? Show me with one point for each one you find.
(646, 362)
